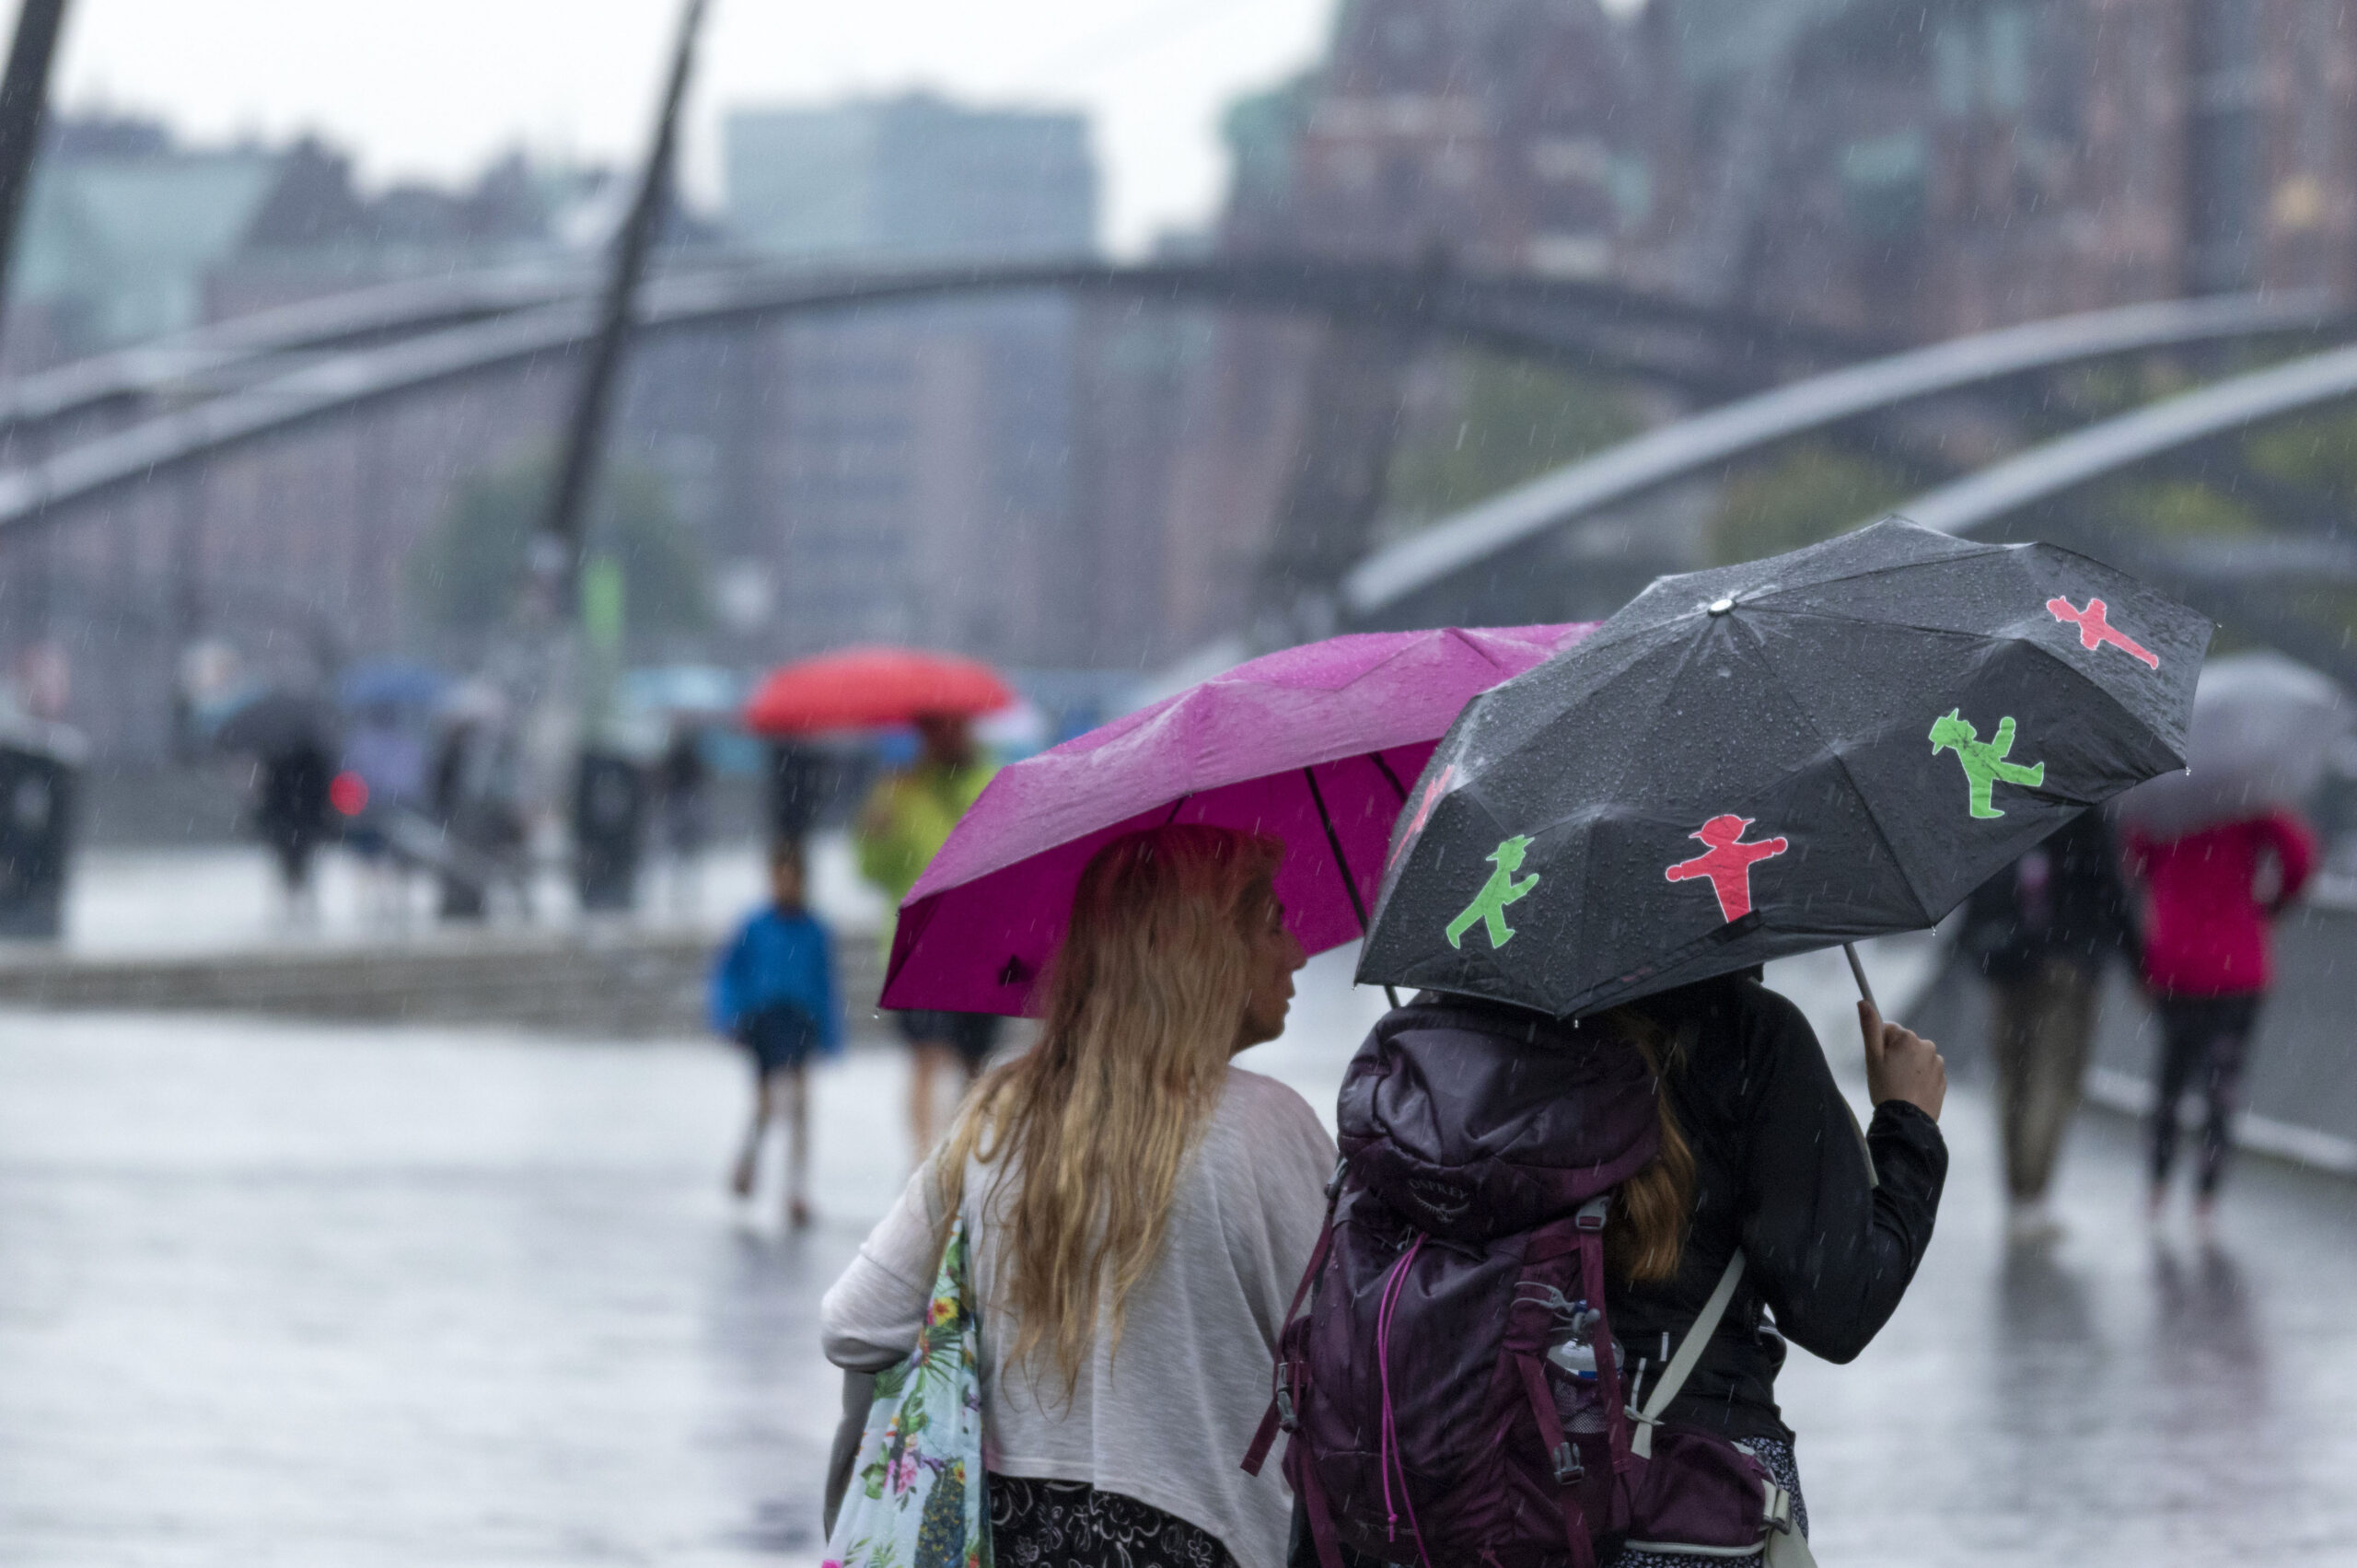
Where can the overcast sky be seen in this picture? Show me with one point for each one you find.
(437, 87)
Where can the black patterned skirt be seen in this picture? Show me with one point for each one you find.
(1070, 1523)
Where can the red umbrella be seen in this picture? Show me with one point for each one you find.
(857, 687)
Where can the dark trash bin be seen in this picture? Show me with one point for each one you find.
(608, 825)
(40, 774)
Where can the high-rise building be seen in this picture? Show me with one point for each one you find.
(914, 477)
(912, 179)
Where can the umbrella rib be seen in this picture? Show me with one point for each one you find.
(1342, 864)
(1878, 570)
(1800, 613)
(1334, 843)
(2053, 656)
(1389, 776)
(2081, 677)
(1865, 803)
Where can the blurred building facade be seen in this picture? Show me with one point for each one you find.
(1913, 169)
(909, 179)
(1051, 483)
(912, 476)
(1905, 170)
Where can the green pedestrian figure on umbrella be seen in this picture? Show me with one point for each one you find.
(1984, 761)
(1489, 906)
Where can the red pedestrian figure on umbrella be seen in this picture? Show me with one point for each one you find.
(2095, 631)
(1423, 812)
(1727, 862)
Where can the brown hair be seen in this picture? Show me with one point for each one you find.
(1143, 1006)
(1646, 1230)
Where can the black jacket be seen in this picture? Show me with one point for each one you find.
(1779, 1171)
(2063, 900)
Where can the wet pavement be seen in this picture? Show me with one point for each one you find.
(283, 1293)
(226, 898)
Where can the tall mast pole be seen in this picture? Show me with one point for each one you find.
(24, 103)
(562, 526)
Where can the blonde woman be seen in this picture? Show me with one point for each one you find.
(1140, 1211)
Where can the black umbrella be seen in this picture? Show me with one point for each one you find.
(1768, 759)
(277, 722)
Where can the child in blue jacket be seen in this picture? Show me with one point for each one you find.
(774, 992)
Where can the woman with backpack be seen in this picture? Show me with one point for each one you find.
(1831, 1228)
(1532, 1216)
(1137, 1210)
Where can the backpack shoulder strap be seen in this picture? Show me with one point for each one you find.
(1280, 1414)
(1689, 1351)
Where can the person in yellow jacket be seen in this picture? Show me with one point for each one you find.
(905, 821)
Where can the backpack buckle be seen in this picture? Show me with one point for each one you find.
(1286, 1419)
(1334, 1182)
(1592, 1213)
(1567, 1467)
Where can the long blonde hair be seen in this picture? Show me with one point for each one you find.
(1145, 1005)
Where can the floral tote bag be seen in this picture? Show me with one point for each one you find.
(916, 1493)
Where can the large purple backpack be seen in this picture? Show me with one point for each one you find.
(1453, 1395)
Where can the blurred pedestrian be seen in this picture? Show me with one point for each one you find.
(1137, 1210)
(476, 790)
(291, 816)
(905, 821)
(2209, 897)
(385, 753)
(2041, 931)
(774, 992)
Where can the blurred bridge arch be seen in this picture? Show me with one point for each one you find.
(248, 380)
(1576, 495)
(1483, 551)
(178, 404)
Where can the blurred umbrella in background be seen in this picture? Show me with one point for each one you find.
(390, 683)
(279, 720)
(2264, 728)
(684, 693)
(1013, 733)
(864, 687)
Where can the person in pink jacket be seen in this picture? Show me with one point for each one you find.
(2209, 899)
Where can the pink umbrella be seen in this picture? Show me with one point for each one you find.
(1315, 746)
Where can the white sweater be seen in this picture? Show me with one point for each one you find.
(1167, 1418)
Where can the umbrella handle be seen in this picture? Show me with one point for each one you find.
(1858, 971)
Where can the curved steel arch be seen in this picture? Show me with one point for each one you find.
(1691, 446)
(240, 349)
(225, 349)
(1980, 499)
(1601, 324)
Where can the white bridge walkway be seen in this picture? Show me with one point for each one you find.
(281, 1293)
